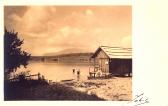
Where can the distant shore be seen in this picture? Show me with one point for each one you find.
(65, 58)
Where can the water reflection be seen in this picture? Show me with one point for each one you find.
(57, 72)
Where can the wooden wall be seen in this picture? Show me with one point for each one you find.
(120, 67)
(102, 60)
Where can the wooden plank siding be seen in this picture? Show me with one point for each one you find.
(116, 61)
(102, 59)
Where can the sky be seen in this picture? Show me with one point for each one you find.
(48, 29)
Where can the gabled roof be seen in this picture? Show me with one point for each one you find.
(115, 52)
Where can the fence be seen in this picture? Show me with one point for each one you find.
(29, 77)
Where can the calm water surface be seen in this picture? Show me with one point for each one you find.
(57, 72)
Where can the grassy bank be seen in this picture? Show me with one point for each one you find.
(57, 91)
(115, 89)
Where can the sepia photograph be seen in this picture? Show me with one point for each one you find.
(74, 53)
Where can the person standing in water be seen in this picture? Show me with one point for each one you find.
(78, 74)
(73, 70)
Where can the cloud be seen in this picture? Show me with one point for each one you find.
(89, 12)
(15, 17)
(126, 41)
(36, 17)
(49, 29)
(65, 31)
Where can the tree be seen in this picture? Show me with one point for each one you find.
(14, 57)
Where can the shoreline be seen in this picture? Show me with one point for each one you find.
(112, 89)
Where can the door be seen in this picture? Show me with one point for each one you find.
(104, 65)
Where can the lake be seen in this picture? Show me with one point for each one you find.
(56, 72)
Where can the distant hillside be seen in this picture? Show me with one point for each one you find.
(73, 55)
(68, 51)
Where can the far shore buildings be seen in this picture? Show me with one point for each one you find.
(114, 60)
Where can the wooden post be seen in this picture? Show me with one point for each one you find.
(94, 67)
(89, 64)
(94, 64)
(38, 76)
(42, 77)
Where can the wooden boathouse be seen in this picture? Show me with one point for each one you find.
(115, 61)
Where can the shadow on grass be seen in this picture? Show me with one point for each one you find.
(33, 90)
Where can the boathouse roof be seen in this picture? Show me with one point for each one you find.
(115, 52)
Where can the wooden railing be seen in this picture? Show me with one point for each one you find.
(29, 77)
